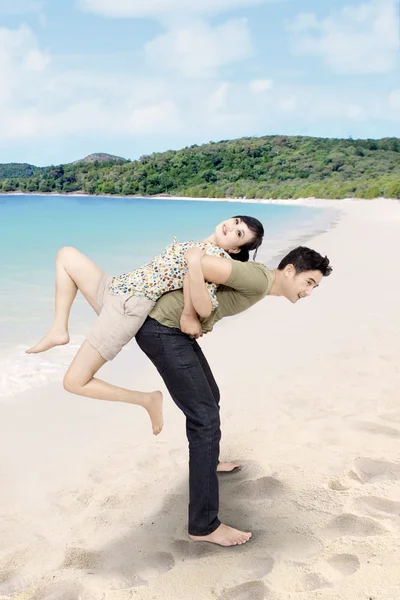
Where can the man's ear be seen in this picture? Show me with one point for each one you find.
(288, 270)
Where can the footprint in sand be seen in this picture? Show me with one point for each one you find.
(312, 582)
(381, 505)
(260, 489)
(252, 590)
(369, 470)
(346, 564)
(188, 550)
(159, 562)
(299, 579)
(351, 525)
(377, 429)
(138, 567)
(56, 591)
(257, 566)
(79, 558)
(337, 486)
(248, 469)
(392, 417)
(12, 583)
(295, 546)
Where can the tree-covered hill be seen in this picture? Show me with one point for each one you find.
(17, 170)
(272, 166)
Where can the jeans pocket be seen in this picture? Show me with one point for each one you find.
(151, 344)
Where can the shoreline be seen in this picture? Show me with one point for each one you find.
(306, 201)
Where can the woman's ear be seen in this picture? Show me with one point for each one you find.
(234, 250)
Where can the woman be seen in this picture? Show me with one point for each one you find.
(122, 304)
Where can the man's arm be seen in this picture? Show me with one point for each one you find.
(248, 278)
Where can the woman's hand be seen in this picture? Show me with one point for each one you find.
(191, 326)
(194, 254)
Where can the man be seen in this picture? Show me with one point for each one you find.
(165, 339)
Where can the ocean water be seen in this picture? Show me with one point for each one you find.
(118, 234)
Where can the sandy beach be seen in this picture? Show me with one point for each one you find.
(93, 507)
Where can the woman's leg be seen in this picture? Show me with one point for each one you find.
(74, 271)
(80, 380)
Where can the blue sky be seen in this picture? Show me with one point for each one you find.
(131, 77)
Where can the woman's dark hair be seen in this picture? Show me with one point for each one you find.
(305, 259)
(258, 230)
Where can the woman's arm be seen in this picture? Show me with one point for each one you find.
(195, 294)
(189, 322)
(199, 296)
(200, 267)
(215, 269)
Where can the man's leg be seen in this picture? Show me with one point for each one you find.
(173, 354)
(222, 467)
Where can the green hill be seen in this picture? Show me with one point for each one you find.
(17, 170)
(272, 166)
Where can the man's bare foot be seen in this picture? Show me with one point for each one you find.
(228, 467)
(224, 536)
(154, 406)
(55, 337)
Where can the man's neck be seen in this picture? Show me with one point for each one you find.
(276, 288)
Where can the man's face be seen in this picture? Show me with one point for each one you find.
(300, 285)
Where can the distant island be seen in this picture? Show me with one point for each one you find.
(275, 166)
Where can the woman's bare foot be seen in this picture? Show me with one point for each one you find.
(55, 337)
(154, 406)
(228, 467)
(224, 536)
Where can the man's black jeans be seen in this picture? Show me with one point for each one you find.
(188, 377)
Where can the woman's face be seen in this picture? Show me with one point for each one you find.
(233, 233)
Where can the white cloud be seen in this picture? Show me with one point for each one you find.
(20, 7)
(158, 9)
(21, 62)
(37, 60)
(260, 85)
(358, 39)
(156, 118)
(218, 98)
(39, 101)
(199, 50)
(304, 22)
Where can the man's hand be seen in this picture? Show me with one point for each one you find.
(191, 326)
(194, 254)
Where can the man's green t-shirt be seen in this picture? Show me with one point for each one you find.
(249, 282)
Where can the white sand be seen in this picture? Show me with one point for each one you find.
(94, 508)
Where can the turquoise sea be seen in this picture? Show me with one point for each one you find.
(119, 234)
